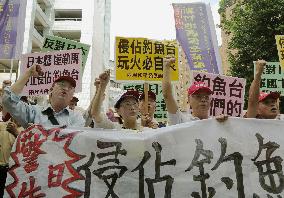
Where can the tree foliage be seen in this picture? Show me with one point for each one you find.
(252, 28)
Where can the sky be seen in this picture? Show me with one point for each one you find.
(153, 19)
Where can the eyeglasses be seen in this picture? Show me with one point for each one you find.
(269, 101)
(129, 104)
(63, 84)
(200, 97)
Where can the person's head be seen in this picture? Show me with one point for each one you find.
(62, 91)
(6, 83)
(73, 103)
(199, 96)
(268, 105)
(151, 103)
(126, 105)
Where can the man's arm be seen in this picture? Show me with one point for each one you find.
(19, 110)
(170, 101)
(254, 89)
(99, 97)
(87, 114)
(19, 85)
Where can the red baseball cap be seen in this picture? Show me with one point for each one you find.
(129, 93)
(197, 86)
(264, 95)
(150, 95)
(66, 78)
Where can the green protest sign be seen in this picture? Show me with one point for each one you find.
(54, 43)
(272, 78)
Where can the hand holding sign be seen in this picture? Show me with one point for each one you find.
(35, 70)
(147, 121)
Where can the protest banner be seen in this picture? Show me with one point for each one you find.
(54, 43)
(272, 78)
(228, 93)
(196, 34)
(238, 158)
(161, 111)
(280, 48)
(12, 28)
(141, 59)
(53, 64)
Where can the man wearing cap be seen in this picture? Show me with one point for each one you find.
(147, 110)
(262, 105)
(55, 113)
(199, 96)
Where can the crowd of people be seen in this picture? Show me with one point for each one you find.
(132, 110)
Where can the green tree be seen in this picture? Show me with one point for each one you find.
(252, 28)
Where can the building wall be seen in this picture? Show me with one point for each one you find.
(93, 29)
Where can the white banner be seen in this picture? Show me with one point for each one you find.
(239, 158)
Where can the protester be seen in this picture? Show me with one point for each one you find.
(8, 132)
(199, 96)
(55, 113)
(126, 106)
(262, 105)
(147, 111)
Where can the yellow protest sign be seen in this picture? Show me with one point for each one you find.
(141, 59)
(280, 48)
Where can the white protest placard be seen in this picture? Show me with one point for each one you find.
(228, 93)
(239, 158)
(53, 64)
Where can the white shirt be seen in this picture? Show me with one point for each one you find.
(180, 117)
(108, 124)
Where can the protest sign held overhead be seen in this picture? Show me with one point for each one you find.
(53, 64)
(239, 158)
(280, 48)
(141, 59)
(54, 43)
(196, 34)
(228, 93)
(12, 28)
(272, 78)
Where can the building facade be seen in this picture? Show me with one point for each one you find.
(86, 21)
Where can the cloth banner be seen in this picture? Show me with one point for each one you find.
(196, 34)
(12, 28)
(239, 158)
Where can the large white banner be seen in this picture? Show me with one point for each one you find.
(236, 159)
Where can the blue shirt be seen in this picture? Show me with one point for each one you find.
(24, 113)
